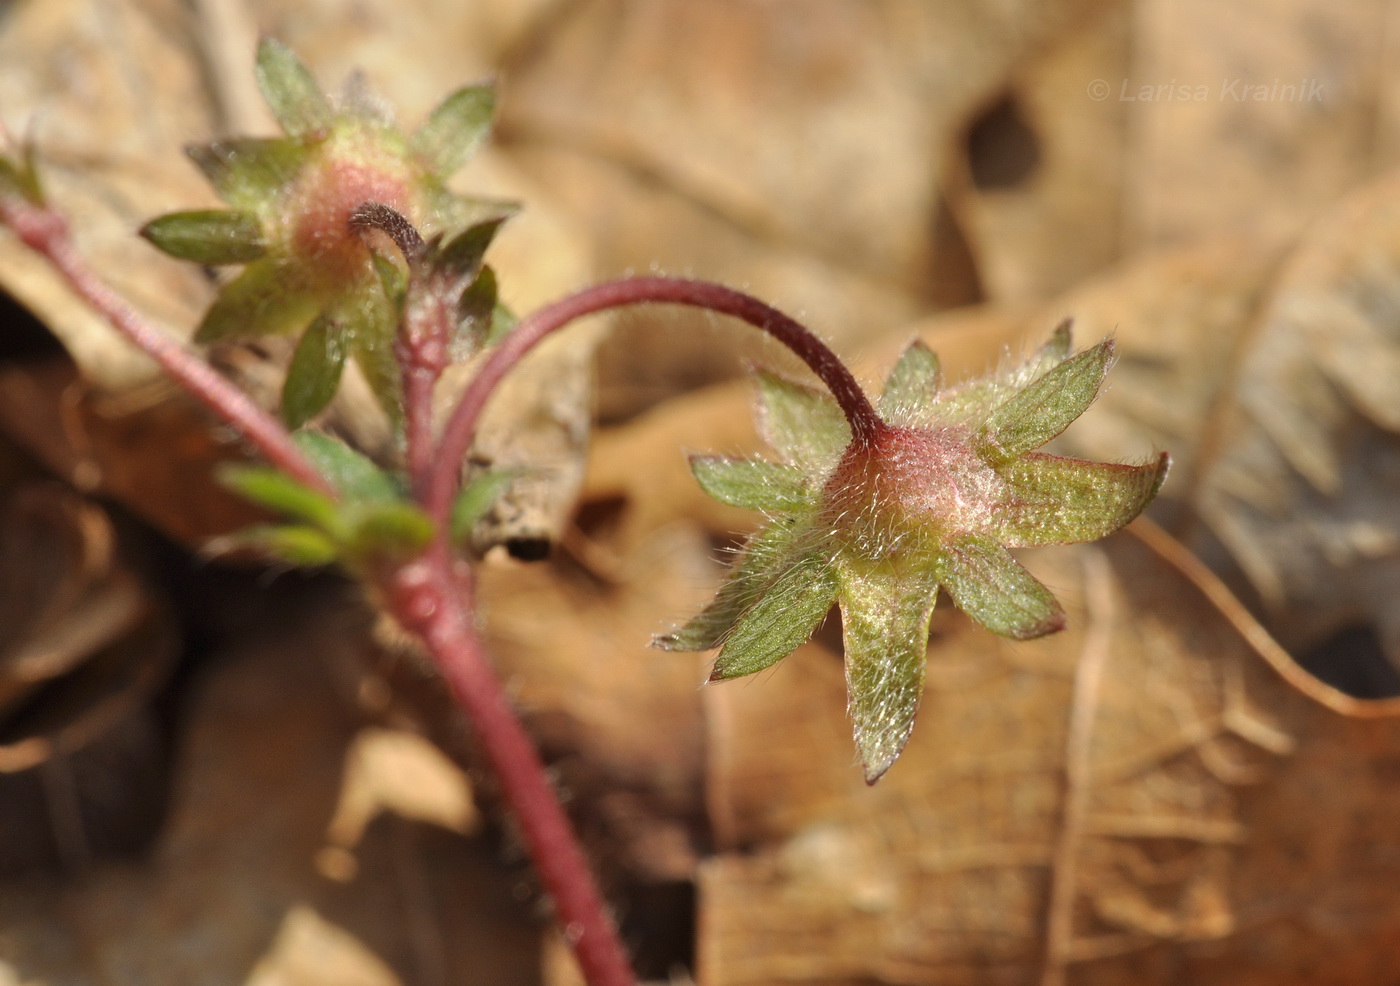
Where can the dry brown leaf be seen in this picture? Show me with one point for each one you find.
(1040, 178)
(252, 878)
(794, 149)
(1180, 317)
(1144, 798)
(1269, 156)
(1302, 465)
(110, 93)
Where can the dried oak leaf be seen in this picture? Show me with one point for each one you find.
(1156, 795)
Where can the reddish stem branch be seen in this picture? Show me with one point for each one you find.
(424, 331)
(46, 232)
(461, 427)
(429, 600)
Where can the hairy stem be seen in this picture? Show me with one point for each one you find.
(46, 232)
(424, 331)
(433, 602)
(457, 436)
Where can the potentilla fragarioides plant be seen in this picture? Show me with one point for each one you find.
(932, 496)
(352, 242)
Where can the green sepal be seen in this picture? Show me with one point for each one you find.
(376, 360)
(1047, 406)
(754, 484)
(386, 528)
(885, 624)
(802, 423)
(972, 402)
(1051, 353)
(279, 492)
(476, 309)
(995, 590)
(263, 300)
(455, 129)
(249, 172)
(371, 321)
(462, 254)
(208, 236)
(393, 279)
(314, 372)
(1054, 500)
(502, 321)
(351, 473)
(781, 620)
(291, 90)
(761, 562)
(915, 380)
(475, 498)
(295, 544)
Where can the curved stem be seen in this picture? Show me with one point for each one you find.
(461, 427)
(45, 232)
(421, 339)
(428, 599)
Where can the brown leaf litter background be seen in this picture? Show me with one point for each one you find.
(1197, 782)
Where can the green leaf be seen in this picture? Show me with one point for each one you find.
(314, 372)
(291, 91)
(1054, 500)
(305, 547)
(914, 381)
(763, 559)
(247, 172)
(991, 587)
(802, 423)
(781, 620)
(351, 473)
(279, 492)
(751, 483)
(263, 300)
(885, 623)
(1046, 407)
(455, 129)
(475, 499)
(392, 528)
(208, 236)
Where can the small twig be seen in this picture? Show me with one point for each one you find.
(460, 430)
(45, 231)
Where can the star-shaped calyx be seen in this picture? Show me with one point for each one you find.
(310, 269)
(934, 496)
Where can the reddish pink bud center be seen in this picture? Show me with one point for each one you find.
(321, 203)
(925, 482)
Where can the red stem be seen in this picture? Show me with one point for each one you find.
(46, 232)
(461, 427)
(429, 599)
(420, 346)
